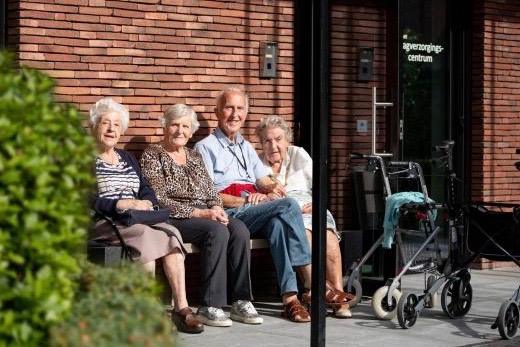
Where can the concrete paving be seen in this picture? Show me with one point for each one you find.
(432, 329)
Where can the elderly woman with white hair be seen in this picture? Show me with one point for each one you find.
(182, 183)
(291, 166)
(121, 186)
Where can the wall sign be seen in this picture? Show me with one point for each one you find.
(420, 52)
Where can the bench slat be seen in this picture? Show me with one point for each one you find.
(255, 244)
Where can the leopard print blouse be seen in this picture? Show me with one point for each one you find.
(182, 188)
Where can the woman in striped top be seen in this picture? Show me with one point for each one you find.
(122, 186)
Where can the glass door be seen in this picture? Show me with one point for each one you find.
(424, 117)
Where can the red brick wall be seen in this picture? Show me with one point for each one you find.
(150, 54)
(496, 100)
(352, 27)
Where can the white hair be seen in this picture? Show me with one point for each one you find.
(273, 121)
(178, 111)
(221, 97)
(106, 106)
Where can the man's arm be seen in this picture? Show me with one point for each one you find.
(231, 201)
(270, 187)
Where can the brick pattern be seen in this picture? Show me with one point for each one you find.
(495, 100)
(150, 54)
(352, 99)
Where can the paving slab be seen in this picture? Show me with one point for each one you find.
(432, 329)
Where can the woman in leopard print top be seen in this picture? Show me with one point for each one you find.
(181, 182)
(183, 188)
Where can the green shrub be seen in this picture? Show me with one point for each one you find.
(45, 176)
(115, 307)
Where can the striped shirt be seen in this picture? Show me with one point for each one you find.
(119, 181)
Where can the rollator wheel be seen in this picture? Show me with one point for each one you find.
(406, 313)
(456, 297)
(508, 319)
(355, 290)
(382, 308)
(434, 298)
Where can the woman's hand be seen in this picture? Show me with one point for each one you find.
(215, 213)
(126, 204)
(217, 207)
(307, 208)
(279, 190)
(274, 196)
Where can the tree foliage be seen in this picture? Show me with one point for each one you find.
(45, 176)
(115, 307)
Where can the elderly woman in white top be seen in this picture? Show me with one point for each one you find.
(120, 186)
(292, 167)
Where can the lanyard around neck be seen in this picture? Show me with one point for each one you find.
(242, 162)
(231, 146)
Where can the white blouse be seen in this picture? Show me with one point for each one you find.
(295, 174)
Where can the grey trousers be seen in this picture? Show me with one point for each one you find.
(225, 254)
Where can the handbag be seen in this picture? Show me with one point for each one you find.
(149, 217)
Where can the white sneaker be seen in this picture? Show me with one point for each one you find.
(213, 316)
(244, 311)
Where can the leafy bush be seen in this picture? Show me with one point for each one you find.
(115, 307)
(45, 176)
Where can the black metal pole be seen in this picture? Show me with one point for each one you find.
(3, 25)
(320, 117)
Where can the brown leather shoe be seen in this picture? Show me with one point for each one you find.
(186, 322)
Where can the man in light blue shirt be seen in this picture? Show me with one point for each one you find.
(249, 194)
(233, 162)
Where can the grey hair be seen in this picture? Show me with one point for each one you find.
(231, 90)
(178, 111)
(273, 121)
(105, 106)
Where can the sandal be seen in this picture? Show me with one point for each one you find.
(350, 296)
(334, 298)
(295, 312)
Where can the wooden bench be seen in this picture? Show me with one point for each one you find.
(255, 244)
(108, 255)
(263, 274)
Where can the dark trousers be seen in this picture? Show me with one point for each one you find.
(225, 253)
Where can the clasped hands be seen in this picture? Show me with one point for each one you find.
(276, 191)
(215, 213)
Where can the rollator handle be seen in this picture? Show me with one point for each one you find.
(399, 163)
(356, 155)
(447, 145)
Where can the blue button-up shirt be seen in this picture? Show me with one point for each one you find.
(230, 162)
